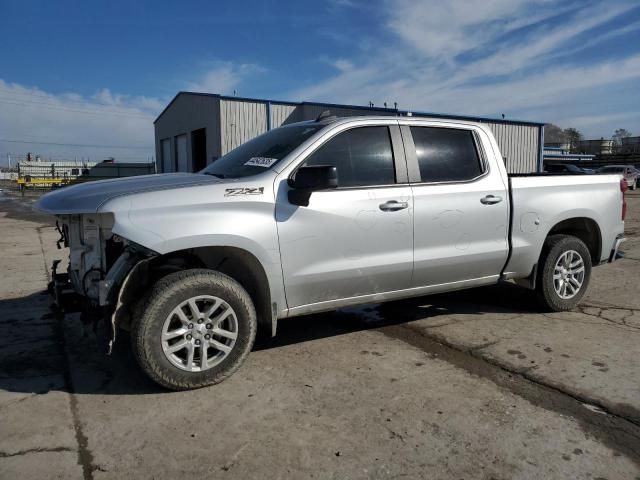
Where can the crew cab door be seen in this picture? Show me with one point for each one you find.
(354, 240)
(461, 205)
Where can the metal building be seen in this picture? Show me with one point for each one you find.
(197, 128)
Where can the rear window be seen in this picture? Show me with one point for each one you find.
(446, 154)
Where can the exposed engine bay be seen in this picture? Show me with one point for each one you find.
(100, 263)
(91, 243)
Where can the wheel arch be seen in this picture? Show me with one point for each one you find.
(584, 228)
(239, 264)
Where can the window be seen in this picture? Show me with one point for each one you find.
(362, 156)
(446, 154)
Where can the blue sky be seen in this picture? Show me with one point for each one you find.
(90, 73)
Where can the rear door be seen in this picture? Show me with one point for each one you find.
(355, 240)
(461, 206)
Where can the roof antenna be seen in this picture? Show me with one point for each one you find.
(323, 115)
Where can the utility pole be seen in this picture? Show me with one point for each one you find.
(9, 159)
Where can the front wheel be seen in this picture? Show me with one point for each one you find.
(565, 270)
(193, 328)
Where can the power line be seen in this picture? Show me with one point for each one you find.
(51, 106)
(73, 144)
(62, 98)
(66, 100)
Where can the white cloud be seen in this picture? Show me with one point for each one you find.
(57, 124)
(110, 124)
(466, 57)
(223, 77)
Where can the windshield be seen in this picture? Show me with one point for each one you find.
(261, 153)
(612, 169)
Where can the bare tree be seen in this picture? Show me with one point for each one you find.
(573, 137)
(619, 135)
(554, 134)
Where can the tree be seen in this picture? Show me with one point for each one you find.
(554, 134)
(619, 135)
(573, 137)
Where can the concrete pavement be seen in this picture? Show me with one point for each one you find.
(475, 384)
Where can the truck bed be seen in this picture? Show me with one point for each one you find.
(541, 201)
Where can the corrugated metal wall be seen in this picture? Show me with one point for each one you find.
(241, 121)
(312, 111)
(519, 145)
(231, 122)
(282, 113)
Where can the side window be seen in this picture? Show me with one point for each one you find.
(362, 156)
(446, 154)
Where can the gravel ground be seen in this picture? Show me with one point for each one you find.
(473, 384)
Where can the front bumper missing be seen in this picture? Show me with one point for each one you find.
(615, 251)
(62, 297)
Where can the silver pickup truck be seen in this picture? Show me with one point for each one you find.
(315, 216)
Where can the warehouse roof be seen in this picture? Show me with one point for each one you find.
(355, 107)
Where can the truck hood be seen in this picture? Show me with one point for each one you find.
(88, 197)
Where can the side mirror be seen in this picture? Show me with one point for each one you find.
(316, 177)
(308, 179)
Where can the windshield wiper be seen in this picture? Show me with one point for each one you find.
(219, 175)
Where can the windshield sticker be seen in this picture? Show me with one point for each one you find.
(233, 192)
(265, 162)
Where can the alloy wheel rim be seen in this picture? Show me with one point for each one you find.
(199, 333)
(568, 274)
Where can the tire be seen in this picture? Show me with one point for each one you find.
(555, 248)
(158, 317)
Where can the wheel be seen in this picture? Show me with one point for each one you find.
(565, 269)
(193, 328)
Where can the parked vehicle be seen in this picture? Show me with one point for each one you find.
(315, 216)
(567, 168)
(628, 172)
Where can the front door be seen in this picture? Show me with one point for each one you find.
(355, 240)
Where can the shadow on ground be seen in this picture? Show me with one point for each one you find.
(37, 350)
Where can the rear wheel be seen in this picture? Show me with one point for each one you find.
(565, 270)
(194, 328)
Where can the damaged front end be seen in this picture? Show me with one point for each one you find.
(101, 264)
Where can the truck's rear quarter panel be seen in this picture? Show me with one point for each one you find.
(542, 202)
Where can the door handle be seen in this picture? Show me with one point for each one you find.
(393, 206)
(490, 200)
